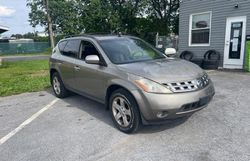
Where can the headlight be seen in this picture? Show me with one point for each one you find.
(150, 86)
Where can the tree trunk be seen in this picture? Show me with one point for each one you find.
(50, 29)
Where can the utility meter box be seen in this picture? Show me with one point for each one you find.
(247, 55)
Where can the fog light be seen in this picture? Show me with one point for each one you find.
(162, 114)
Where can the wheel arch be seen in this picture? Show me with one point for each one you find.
(110, 90)
(113, 87)
(52, 71)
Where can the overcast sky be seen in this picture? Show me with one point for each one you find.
(14, 14)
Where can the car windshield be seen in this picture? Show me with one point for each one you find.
(129, 50)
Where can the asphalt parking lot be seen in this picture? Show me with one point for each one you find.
(77, 128)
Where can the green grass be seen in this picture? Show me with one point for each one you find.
(23, 76)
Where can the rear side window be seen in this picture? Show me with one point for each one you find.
(72, 48)
(62, 45)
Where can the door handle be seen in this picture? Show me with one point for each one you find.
(77, 68)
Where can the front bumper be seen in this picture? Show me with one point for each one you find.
(173, 105)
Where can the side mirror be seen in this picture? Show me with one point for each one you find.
(170, 51)
(92, 59)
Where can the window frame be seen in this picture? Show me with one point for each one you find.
(190, 29)
(77, 54)
(61, 50)
(102, 60)
(146, 43)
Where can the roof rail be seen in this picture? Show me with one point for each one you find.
(91, 34)
(68, 36)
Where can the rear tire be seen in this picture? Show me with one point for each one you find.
(58, 87)
(124, 111)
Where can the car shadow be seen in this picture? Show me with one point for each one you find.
(146, 129)
(99, 111)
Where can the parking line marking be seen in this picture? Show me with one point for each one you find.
(26, 122)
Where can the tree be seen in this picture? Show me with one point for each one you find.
(128, 11)
(57, 16)
(66, 16)
(137, 17)
(41, 15)
(98, 16)
(164, 14)
(49, 21)
(18, 36)
(29, 35)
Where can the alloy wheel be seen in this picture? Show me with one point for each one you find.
(121, 110)
(56, 85)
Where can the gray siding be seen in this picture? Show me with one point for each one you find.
(221, 9)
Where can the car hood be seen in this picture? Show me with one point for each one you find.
(164, 70)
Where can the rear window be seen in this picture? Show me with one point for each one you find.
(72, 48)
(62, 45)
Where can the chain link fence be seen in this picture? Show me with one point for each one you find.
(163, 42)
(24, 47)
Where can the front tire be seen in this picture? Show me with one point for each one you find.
(58, 87)
(124, 111)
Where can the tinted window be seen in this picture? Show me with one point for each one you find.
(88, 49)
(62, 45)
(129, 50)
(72, 48)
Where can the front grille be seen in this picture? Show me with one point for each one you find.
(195, 105)
(191, 106)
(187, 86)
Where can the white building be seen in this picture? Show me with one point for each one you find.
(42, 34)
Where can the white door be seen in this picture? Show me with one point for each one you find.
(235, 42)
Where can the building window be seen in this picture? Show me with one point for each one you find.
(200, 28)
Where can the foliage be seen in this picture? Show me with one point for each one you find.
(30, 35)
(23, 76)
(97, 16)
(164, 14)
(136, 17)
